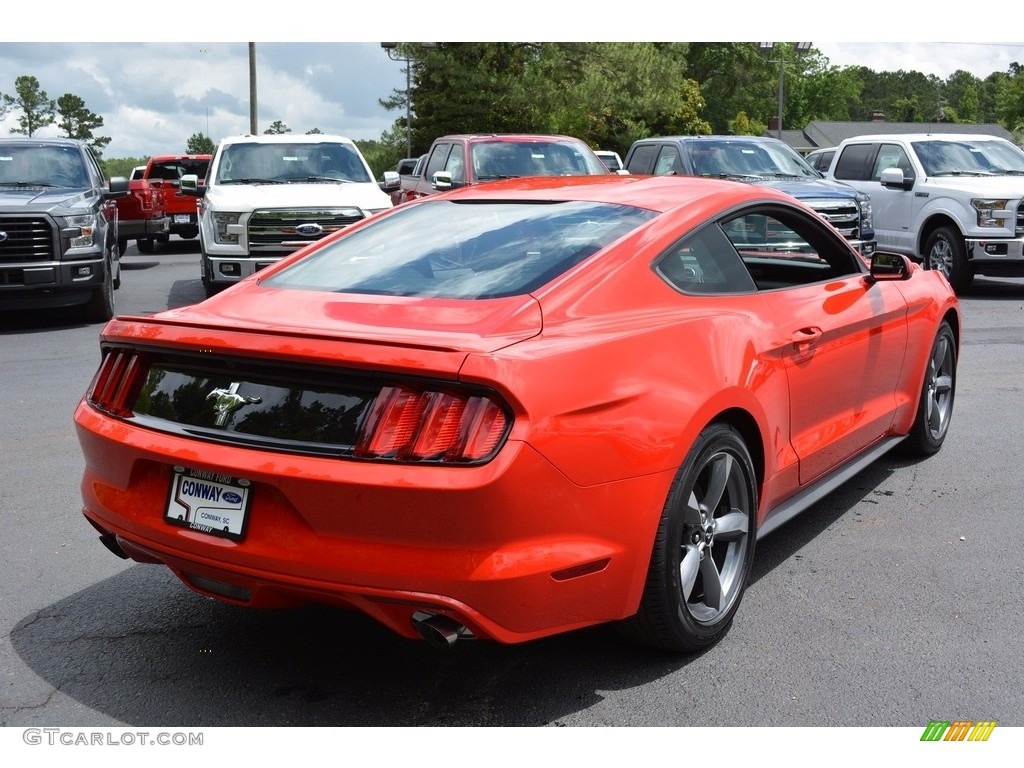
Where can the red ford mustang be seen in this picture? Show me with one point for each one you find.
(518, 409)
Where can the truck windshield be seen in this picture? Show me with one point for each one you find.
(747, 160)
(34, 165)
(949, 158)
(290, 163)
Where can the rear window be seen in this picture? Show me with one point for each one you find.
(466, 250)
(173, 170)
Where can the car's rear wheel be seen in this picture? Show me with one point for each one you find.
(935, 407)
(145, 244)
(945, 251)
(704, 547)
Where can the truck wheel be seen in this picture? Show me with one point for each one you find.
(945, 252)
(122, 245)
(209, 288)
(100, 307)
(145, 245)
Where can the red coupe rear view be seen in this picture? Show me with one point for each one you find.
(518, 409)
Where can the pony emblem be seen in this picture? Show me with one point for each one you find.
(227, 401)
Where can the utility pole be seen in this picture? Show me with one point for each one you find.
(252, 89)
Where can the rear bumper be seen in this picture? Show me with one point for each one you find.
(512, 550)
(133, 229)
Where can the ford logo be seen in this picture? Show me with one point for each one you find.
(309, 230)
(232, 498)
(3, 237)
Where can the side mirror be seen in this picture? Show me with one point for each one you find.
(893, 178)
(890, 266)
(392, 181)
(442, 180)
(190, 186)
(117, 187)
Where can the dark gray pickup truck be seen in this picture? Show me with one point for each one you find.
(58, 227)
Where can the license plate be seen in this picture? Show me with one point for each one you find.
(208, 502)
(181, 218)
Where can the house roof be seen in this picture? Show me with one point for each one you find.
(824, 133)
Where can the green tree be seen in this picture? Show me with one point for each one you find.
(1010, 102)
(278, 127)
(313, 130)
(121, 166)
(37, 109)
(77, 122)
(199, 144)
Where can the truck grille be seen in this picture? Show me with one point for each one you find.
(269, 230)
(1020, 220)
(844, 215)
(26, 238)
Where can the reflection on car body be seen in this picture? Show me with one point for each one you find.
(518, 409)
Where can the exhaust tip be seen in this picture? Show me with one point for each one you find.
(438, 630)
(109, 541)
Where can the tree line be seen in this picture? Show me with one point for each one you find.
(609, 94)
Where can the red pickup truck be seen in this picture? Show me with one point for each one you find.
(140, 214)
(164, 172)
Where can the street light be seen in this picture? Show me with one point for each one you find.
(393, 52)
(781, 61)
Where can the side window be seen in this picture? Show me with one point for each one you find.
(891, 156)
(456, 165)
(437, 160)
(668, 162)
(783, 248)
(854, 162)
(705, 262)
(641, 160)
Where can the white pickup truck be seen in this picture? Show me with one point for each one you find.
(953, 201)
(268, 195)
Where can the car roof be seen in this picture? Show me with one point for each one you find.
(279, 138)
(510, 137)
(655, 193)
(165, 158)
(715, 138)
(926, 136)
(54, 140)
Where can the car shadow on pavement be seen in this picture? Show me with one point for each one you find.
(142, 649)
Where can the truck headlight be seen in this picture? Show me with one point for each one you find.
(221, 222)
(991, 212)
(865, 215)
(79, 229)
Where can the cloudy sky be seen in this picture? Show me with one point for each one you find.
(153, 95)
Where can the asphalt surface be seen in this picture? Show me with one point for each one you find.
(893, 602)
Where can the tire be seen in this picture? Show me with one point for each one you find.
(100, 306)
(145, 245)
(945, 251)
(115, 260)
(122, 245)
(935, 408)
(209, 288)
(704, 547)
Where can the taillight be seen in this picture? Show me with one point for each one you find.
(447, 427)
(115, 382)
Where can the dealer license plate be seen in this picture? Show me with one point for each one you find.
(181, 218)
(209, 502)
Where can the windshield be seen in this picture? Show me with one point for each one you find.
(463, 250)
(969, 157)
(748, 159)
(35, 165)
(173, 170)
(289, 163)
(509, 159)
